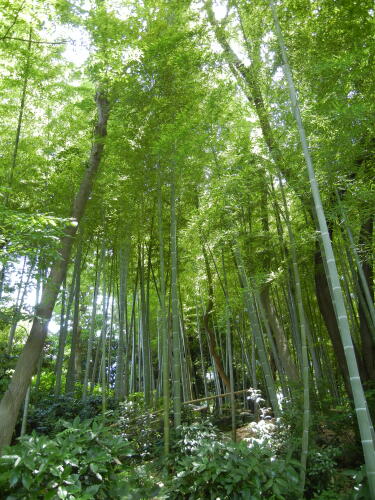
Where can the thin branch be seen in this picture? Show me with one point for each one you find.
(216, 396)
(14, 22)
(33, 41)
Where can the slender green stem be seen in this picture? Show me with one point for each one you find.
(364, 421)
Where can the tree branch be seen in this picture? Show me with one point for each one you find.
(5, 37)
(14, 22)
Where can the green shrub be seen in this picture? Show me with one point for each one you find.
(321, 467)
(143, 482)
(232, 471)
(141, 427)
(83, 462)
(189, 438)
(51, 409)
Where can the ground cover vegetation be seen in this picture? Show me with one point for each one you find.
(186, 249)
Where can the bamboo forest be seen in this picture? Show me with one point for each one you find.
(187, 200)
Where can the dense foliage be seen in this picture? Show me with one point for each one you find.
(85, 461)
(187, 239)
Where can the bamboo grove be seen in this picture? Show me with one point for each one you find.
(191, 206)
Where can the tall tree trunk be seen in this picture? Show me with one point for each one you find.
(207, 321)
(95, 374)
(365, 326)
(277, 366)
(363, 417)
(103, 339)
(365, 288)
(90, 340)
(2, 279)
(175, 320)
(203, 368)
(130, 347)
(57, 388)
(229, 348)
(25, 412)
(164, 330)
(64, 321)
(281, 341)
(123, 265)
(187, 351)
(19, 304)
(145, 331)
(326, 308)
(256, 332)
(133, 337)
(71, 375)
(20, 118)
(303, 340)
(15, 394)
(252, 88)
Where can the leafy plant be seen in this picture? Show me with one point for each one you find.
(143, 482)
(45, 417)
(321, 465)
(191, 437)
(233, 471)
(82, 462)
(142, 428)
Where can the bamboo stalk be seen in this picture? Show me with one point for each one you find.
(226, 394)
(360, 403)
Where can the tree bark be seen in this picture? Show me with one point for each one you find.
(176, 345)
(211, 334)
(164, 329)
(326, 308)
(368, 347)
(229, 347)
(278, 334)
(63, 333)
(15, 394)
(90, 340)
(256, 331)
(71, 373)
(145, 331)
(123, 265)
